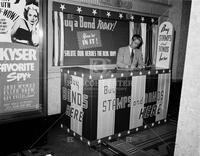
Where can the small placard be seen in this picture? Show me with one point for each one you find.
(89, 39)
(164, 48)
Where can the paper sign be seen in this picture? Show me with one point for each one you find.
(164, 48)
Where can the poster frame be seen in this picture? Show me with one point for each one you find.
(22, 116)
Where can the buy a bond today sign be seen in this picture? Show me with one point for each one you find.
(164, 48)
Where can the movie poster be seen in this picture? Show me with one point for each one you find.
(19, 56)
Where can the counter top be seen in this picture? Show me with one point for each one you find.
(103, 72)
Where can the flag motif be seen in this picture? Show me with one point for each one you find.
(115, 105)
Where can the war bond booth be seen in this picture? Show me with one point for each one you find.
(101, 102)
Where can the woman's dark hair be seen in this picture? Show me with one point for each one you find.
(26, 13)
(138, 37)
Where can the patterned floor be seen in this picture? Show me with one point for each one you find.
(157, 141)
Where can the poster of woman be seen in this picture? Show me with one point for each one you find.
(19, 57)
(19, 21)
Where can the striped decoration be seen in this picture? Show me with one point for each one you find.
(149, 34)
(143, 34)
(123, 101)
(56, 37)
(137, 100)
(90, 123)
(131, 31)
(148, 58)
(76, 102)
(65, 98)
(106, 111)
(61, 52)
(115, 105)
(137, 28)
(143, 25)
(101, 13)
(163, 98)
(154, 42)
(149, 111)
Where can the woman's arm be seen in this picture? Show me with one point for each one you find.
(14, 29)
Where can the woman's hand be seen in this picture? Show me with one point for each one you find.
(35, 34)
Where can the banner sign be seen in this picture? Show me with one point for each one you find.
(19, 56)
(82, 34)
(87, 38)
(164, 48)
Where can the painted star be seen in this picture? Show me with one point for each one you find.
(62, 7)
(94, 11)
(132, 17)
(142, 19)
(79, 10)
(120, 16)
(108, 14)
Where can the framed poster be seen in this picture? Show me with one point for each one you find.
(20, 60)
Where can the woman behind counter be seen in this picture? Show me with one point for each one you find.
(25, 30)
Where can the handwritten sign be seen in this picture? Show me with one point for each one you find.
(164, 48)
(89, 39)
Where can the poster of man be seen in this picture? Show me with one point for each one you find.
(19, 21)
